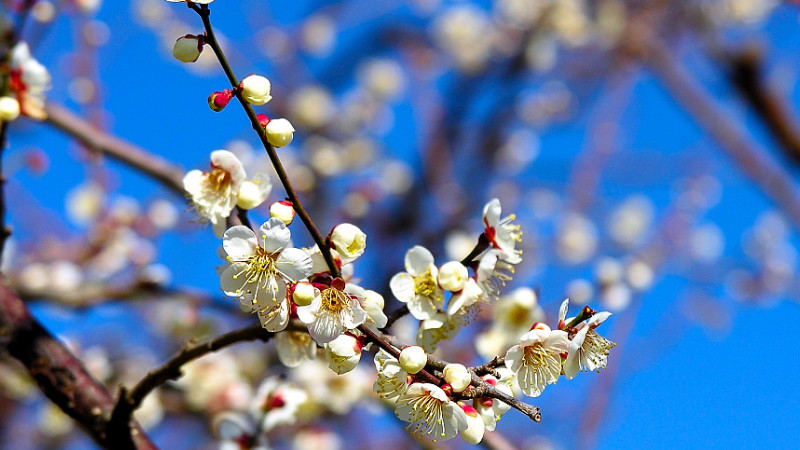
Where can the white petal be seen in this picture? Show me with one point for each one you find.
(325, 329)
(599, 318)
(239, 242)
(562, 311)
(276, 318)
(402, 286)
(491, 213)
(232, 280)
(193, 182)
(231, 164)
(418, 260)
(514, 358)
(307, 314)
(421, 308)
(357, 316)
(274, 236)
(559, 340)
(294, 264)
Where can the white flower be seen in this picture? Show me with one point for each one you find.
(348, 241)
(492, 409)
(187, 48)
(392, 380)
(457, 376)
(216, 192)
(537, 358)
(413, 359)
(430, 412)
(9, 109)
(334, 310)
(256, 89)
(261, 266)
(462, 300)
(418, 286)
(502, 234)
(492, 274)
(294, 347)
(453, 276)
(343, 353)
(588, 351)
(253, 192)
(473, 434)
(30, 80)
(372, 303)
(440, 327)
(280, 132)
(277, 402)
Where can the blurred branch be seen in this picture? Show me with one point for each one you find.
(60, 375)
(746, 74)
(753, 160)
(151, 164)
(129, 401)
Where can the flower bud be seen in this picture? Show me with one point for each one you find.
(282, 210)
(187, 48)
(413, 359)
(348, 240)
(453, 276)
(9, 109)
(343, 353)
(256, 89)
(457, 376)
(280, 132)
(250, 195)
(304, 293)
(263, 120)
(475, 427)
(217, 101)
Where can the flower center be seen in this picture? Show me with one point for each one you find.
(260, 271)
(535, 355)
(334, 300)
(219, 179)
(425, 285)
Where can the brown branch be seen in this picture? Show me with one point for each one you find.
(753, 160)
(151, 164)
(746, 74)
(60, 375)
(130, 400)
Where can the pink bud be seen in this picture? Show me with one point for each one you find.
(263, 120)
(217, 101)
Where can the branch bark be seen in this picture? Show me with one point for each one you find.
(60, 375)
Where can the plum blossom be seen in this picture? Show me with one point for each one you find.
(392, 380)
(216, 192)
(261, 266)
(418, 286)
(537, 358)
(29, 80)
(294, 347)
(277, 402)
(430, 412)
(502, 234)
(335, 309)
(588, 351)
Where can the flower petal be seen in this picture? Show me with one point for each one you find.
(294, 264)
(418, 260)
(402, 286)
(232, 281)
(491, 213)
(274, 236)
(239, 242)
(231, 164)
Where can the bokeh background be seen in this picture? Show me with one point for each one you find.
(650, 151)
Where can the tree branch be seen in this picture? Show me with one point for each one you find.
(61, 376)
(153, 165)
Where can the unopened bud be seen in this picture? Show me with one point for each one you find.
(280, 132)
(9, 109)
(413, 359)
(256, 89)
(304, 293)
(453, 276)
(457, 376)
(263, 120)
(343, 353)
(217, 101)
(187, 48)
(282, 210)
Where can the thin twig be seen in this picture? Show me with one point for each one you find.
(130, 400)
(211, 40)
